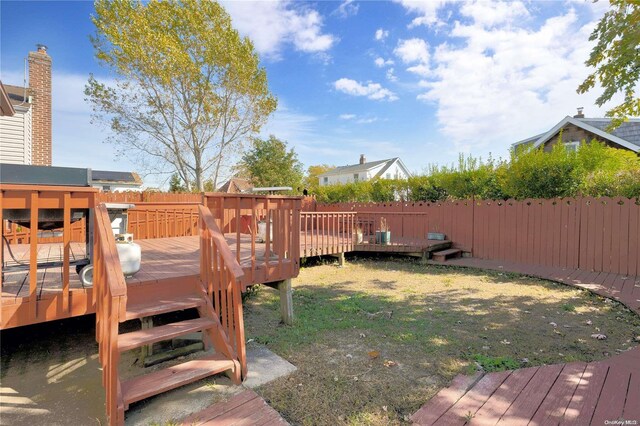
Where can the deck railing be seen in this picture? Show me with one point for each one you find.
(222, 276)
(37, 202)
(163, 220)
(377, 231)
(110, 294)
(269, 227)
(326, 233)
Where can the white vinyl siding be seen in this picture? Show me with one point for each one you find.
(15, 138)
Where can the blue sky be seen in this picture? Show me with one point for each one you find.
(424, 81)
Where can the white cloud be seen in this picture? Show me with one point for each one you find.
(490, 13)
(357, 119)
(347, 116)
(420, 69)
(427, 11)
(273, 24)
(371, 90)
(381, 62)
(412, 51)
(347, 8)
(505, 81)
(391, 76)
(381, 34)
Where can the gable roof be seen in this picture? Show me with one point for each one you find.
(17, 95)
(6, 107)
(626, 135)
(236, 186)
(357, 168)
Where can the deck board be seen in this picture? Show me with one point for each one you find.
(246, 408)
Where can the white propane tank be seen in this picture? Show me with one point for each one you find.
(262, 231)
(129, 254)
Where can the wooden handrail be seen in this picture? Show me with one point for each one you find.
(221, 243)
(110, 292)
(116, 281)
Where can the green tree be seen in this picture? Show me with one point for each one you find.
(188, 90)
(616, 57)
(311, 182)
(269, 163)
(175, 184)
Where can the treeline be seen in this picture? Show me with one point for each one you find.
(593, 170)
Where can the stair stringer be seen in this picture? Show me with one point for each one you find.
(217, 337)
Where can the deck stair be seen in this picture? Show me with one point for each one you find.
(214, 294)
(443, 255)
(160, 381)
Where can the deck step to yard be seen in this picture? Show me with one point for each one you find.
(157, 307)
(160, 381)
(136, 339)
(441, 256)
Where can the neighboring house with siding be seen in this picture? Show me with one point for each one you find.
(392, 168)
(16, 129)
(25, 136)
(580, 129)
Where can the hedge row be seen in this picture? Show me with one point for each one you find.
(594, 170)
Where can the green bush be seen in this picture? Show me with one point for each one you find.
(594, 170)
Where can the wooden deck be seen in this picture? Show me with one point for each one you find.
(574, 393)
(165, 261)
(246, 408)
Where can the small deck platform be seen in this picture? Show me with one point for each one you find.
(246, 408)
(576, 393)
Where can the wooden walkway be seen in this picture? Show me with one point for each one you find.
(246, 408)
(571, 394)
(623, 288)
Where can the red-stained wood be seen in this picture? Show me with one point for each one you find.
(473, 399)
(160, 381)
(502, 398)
(555, 403)
(444, 400)
(585, 398)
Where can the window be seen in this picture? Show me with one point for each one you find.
(106, 188)
(388, 176)
(355, 177)
(572, 146)
(325, 180)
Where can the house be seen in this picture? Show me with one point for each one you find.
(579, 128)
(236, 186)
(25, 127)
(393, 168)
(109, 181)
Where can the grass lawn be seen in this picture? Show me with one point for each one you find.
(375, 340)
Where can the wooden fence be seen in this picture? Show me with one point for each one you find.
(453, 218)
(163, 219)
(148, 197)
(594, 234)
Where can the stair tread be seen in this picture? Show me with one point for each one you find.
(162, 306)
(447, 252)
(136, 339)
(160, 381)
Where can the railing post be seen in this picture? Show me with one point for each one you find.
(33, 260)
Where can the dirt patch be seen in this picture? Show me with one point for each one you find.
(374, 340)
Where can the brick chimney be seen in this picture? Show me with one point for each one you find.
(40, 90)
(580, 113)
(363, 159)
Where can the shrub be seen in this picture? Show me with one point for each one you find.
(594, 170)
